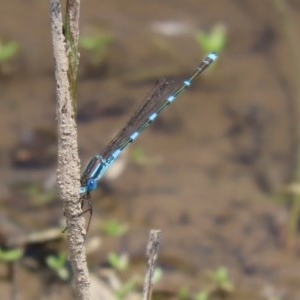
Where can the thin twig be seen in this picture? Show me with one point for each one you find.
(68, 161)
(71, 27)
(291, 36)
(152, 252)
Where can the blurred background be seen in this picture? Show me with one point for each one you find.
(217, 172)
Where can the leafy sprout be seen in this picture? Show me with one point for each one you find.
(98, 47)
(8, 50)
(183, 293)
(126, 288)
(157, 276)
(215, 40)
(10, 255)
(138, 154)
(201, 296)
(114, 228)
(58, 263)
(220, 279)
(119, 262)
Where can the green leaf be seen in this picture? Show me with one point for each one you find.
(118, 262)
(58, 265)
(53, 262)
(201, 296)
(114, 228)
(183, 293)
(95, 42)
(215, 40)
(63, 273)
(8, 50)
(157, 276)
(220, 278)
(11, 255)
(125, 289)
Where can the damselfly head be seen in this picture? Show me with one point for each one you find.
(91, 184)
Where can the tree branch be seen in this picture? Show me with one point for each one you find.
(152, 253)
(68, 161)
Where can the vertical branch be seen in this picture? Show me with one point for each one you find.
(71, 31)
(152, 252)
(68, 161)
(291, 36)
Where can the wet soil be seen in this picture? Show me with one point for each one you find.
(212, 167)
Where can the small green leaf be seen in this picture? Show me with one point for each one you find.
(118, 262)
(95, 42)
(63, 273)
(8, 50)
(158, 274)
(11, 255)
(114, 228)
(221, 280)
(201, 296)
(58, 265)
(97, 47)
(138, 155)
(183, 293)
(221, 274)
(215, 40)
(125, 289)
(53, 262)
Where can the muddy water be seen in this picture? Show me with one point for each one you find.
(211, 166)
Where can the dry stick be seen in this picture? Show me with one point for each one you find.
(152, 252)
(68, 161)
(72, 36)
(293, 42)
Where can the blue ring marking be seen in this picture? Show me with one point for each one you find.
(171, 98)
(187, 83)
(152, 117)
(212, 55)
(116, 153)
(82, 190)
(134, 136)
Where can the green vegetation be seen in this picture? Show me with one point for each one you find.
(141, 158)
(219, 284)
(8, 50)
(10, 255)
(138, 155)
(119, 262)
(201, 296)
(58, 263)
(215, 40)
(126, 289)
(38, 196)
(97, 46)
(183, 293)
(158, 274)
(220, 280)
(113, 227)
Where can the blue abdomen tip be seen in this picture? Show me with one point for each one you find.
(213, 55)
